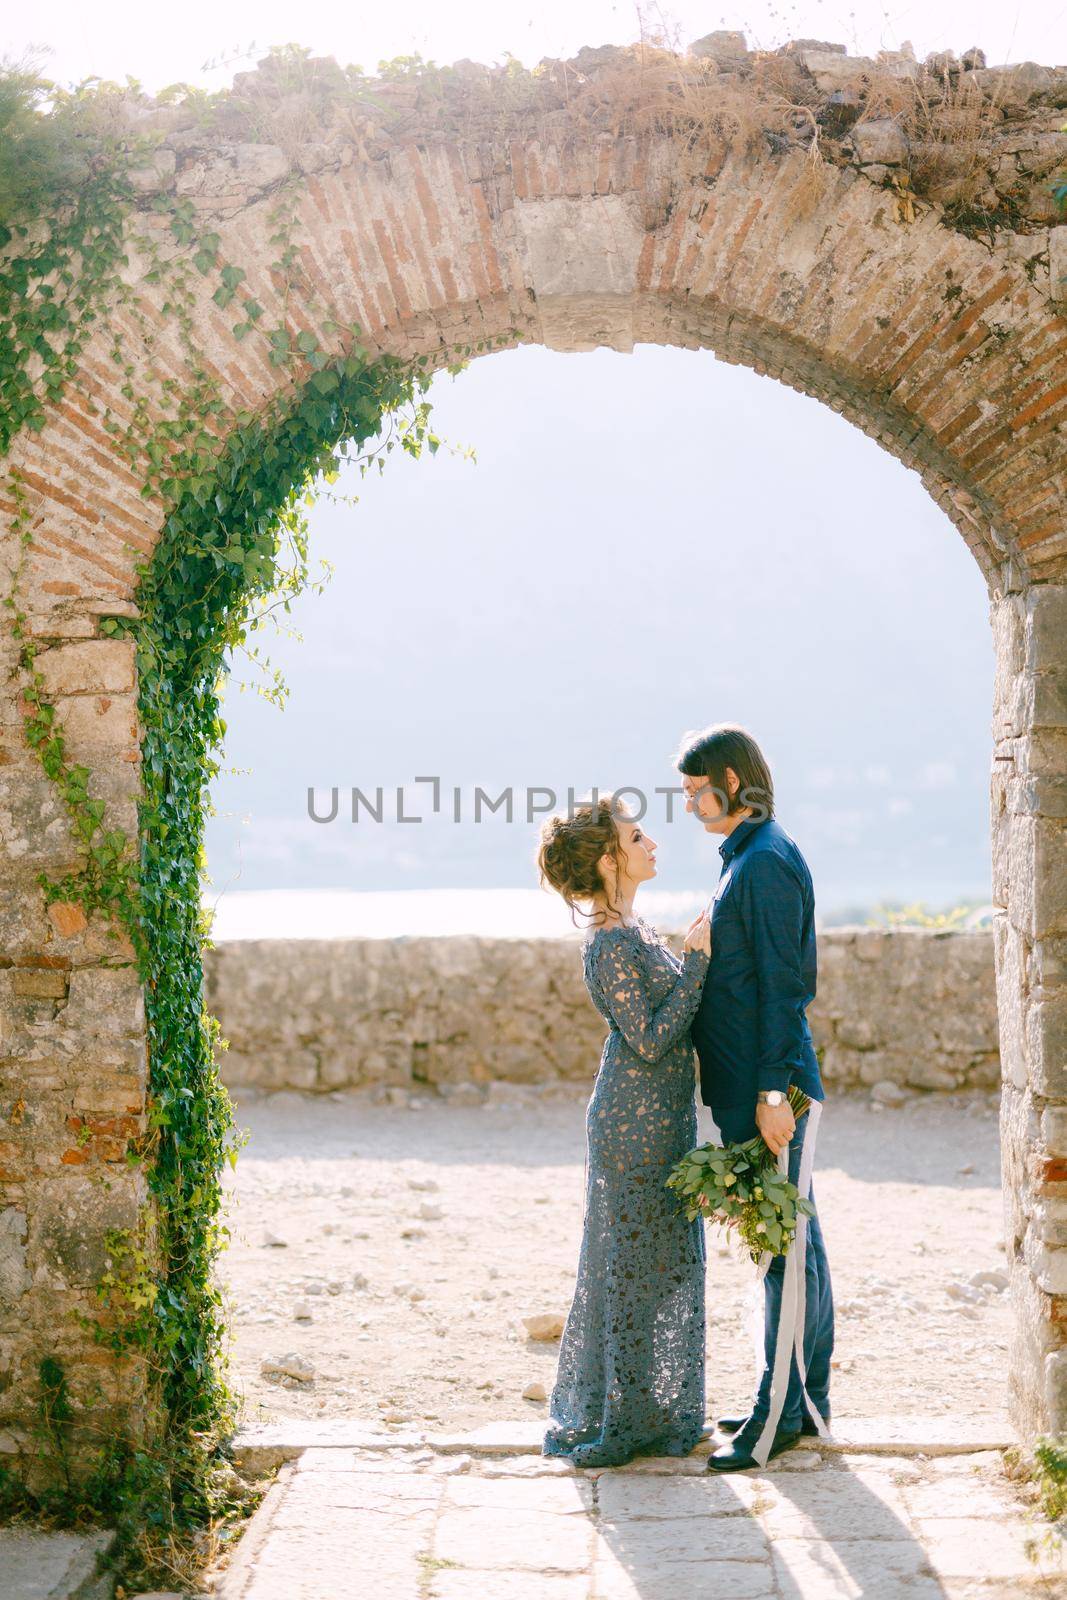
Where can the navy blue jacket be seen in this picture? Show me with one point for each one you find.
(750, 1030)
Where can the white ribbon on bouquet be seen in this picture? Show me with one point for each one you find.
(790, 1336)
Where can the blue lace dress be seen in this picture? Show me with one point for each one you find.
(630, 1379)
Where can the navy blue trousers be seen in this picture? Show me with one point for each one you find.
(736, 1124)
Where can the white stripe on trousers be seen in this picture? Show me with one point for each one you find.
(792, 1305)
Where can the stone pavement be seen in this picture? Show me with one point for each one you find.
(39, 1564)
(484, 1517)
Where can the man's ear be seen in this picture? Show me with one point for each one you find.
(733, 782)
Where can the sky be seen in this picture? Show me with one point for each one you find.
(646, 544)
(159, 47)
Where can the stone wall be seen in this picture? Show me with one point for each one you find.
(909, 1006)
(1028, 821)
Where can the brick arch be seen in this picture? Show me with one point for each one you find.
(947, 353)
(946, 350)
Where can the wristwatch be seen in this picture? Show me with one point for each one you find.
(770, 1097)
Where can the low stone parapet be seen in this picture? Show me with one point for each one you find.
(914, 1007)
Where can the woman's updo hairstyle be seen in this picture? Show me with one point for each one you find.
(572, 845)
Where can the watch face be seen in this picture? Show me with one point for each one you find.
(774, 1097)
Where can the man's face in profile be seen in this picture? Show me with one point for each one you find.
(707, 804)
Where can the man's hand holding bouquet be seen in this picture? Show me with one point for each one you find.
(741, 1187)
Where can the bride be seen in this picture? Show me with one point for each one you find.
(630, 1379)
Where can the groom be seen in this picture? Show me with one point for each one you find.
(753, 1042)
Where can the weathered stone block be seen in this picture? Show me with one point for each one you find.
(157, 174)
(1037, 875)
(96, 666)
(71, 1219)
(105, 1003)
(115, 1093)
(1008, 623)
(929, 1075)
(1055, 1395)
(1046, 753)
(234, 169)
(68, 919)
(582, 269)
(39, 983)
(858, 1032)
(97, 724)
(1049, 1222)
(1050, 878)
(832, 70)
(1045, 696)
(795, 46)
(15, 1277)
(1057, 264)
(1014, 86)
(1049, 963)
(880, 140)
(1046, 628)
(725, 44)
(1046, 1037)
(1047, 1263)
(871, 944)
(1046, 797)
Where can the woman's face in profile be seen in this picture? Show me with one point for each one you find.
(638, 851)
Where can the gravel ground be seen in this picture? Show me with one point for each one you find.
(417, 1238)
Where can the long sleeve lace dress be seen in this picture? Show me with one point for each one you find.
(630, 1379)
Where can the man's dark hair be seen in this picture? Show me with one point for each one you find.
(708, 754)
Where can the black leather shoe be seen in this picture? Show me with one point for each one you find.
(730, 1459)
(735, 1424)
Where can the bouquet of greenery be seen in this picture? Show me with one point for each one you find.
(740, 1186)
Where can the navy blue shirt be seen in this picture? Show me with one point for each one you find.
(750, 1030)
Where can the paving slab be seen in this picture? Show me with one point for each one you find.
(650, 1544)
(929, 1436)
(465, 1584)
(40, 1564)
(622, 1495)
(571, 1496)
(260, 1449)
(965, 1547)
(706, 1578)
(876, 1569)
(915, 1514)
